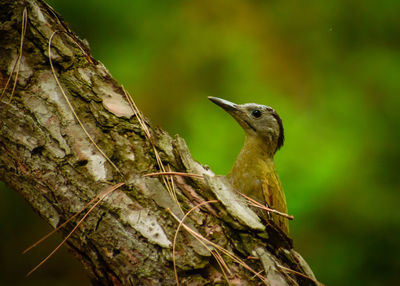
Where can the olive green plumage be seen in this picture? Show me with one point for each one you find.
(253, 172)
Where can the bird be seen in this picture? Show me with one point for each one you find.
(253, 172)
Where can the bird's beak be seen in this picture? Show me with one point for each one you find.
(228, 106)
(236, 111)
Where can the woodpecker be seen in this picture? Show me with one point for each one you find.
(253, 172)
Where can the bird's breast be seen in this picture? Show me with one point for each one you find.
(248, 177)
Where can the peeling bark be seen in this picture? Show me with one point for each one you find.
(47, 157)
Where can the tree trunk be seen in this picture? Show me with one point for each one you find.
(68, 133)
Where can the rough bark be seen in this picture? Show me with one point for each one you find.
(47, 157)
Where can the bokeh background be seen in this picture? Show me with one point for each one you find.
(330, 68)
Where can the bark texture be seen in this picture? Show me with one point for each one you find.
(48, 158)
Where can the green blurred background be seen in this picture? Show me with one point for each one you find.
(330, 68)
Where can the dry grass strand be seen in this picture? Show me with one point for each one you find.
(176, 236)
(300, 274)
(192, 175)
(67, 221)
(17, 63)
(69, 103)
(168, 182)
(108, 191)
(208, 242)
(255, 203)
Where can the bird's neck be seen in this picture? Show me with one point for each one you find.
(256, 148)
(254, 161)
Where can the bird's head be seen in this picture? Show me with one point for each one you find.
(258, 121)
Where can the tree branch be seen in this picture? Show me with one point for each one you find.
(68, 133)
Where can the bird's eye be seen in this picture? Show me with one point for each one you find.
(256, 113)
